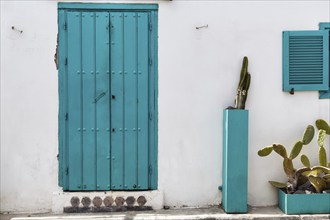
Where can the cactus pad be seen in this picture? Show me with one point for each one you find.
(305, 161)
(280, 149)
(321, 137)
(321, 124)
(322, 156)
(288, 167)
(318, 183)
(265, 151)
(296, 150)
(327, 178)
(278, 184)
(308, 135)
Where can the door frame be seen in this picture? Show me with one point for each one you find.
(153, 82)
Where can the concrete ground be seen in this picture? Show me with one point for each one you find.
(210, 213)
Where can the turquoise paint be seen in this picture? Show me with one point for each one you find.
(62, 178)
(235, 161)
(117, 102)
(107, 89)
(107, 6)
(102, 105)
(302, 70)
(74, 135)
(88, 101)
(130, 99)
(153, 108)
(325, 94)
(304, 203)
(142, 105)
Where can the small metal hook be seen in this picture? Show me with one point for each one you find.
(15, 29)
(292, 91)
(204, 26)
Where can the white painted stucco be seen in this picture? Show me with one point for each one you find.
(198, 75)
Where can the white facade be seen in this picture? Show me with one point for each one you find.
(198, 74)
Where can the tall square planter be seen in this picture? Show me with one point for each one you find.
(304, 203)
(235, 161)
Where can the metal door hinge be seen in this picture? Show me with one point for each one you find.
(150, 62)
(66, 116)
(65, 26)
(66, 61)
(67, 171)
(150, 116)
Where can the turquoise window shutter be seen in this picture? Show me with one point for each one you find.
(326, 94)
(305, 60)
(107, 96)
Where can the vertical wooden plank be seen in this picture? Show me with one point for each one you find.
(88, 100)
(74, 103)
(143, 97)
(62, 73)
(130, 100)
(153, 94)
(102, 100)
(117, 101)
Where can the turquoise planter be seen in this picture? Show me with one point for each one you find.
(235, 161)
(304, 203)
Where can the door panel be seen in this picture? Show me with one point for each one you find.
(74, 102)
(88, 100)
(117, 100)
(102, 100)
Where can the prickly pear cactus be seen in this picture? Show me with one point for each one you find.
(295, 177)
(318, 176)
(323, 125)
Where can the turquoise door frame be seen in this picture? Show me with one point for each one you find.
(107, 96)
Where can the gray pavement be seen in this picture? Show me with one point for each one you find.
(210, 213)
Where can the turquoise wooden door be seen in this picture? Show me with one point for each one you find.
(107, 79)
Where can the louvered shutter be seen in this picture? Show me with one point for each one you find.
(305, 60)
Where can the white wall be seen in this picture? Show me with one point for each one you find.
(198, 74)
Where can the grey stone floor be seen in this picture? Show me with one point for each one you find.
(210, 213)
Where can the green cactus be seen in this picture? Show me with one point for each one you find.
(321, 137)
(308, 135)
(280, 150)
(278, 184)
(243, 86)
(305, 161)
(327, 178)
(324, 129)
(317, 176)
(322, 156)
(296, 150)
(322, 125)
(265, 151)
(318, 183)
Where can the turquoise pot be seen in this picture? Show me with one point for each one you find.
(304, 203)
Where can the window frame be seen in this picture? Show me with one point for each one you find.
(325, 94)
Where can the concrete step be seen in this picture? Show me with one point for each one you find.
(214, 213)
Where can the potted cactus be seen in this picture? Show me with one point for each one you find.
(235, 145)
(307, 189)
